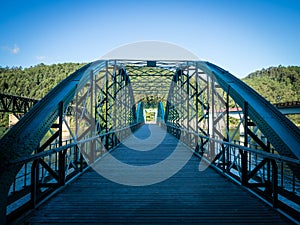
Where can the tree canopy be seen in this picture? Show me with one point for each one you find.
(276, 84)
(34, 82)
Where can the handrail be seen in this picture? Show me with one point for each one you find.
(42, 163)
(23, 160)
(244, 148)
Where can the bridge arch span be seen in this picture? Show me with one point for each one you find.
(25, 137)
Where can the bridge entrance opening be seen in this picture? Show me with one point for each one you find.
(150, 115)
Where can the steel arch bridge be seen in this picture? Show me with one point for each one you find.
(103, 102)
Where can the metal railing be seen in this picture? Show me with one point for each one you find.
(273, 177)
(43, 173)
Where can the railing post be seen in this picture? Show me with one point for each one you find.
(34, 183)
(275, 183)
(202, 147)
(244, 160)
(81, 160)
(223, 158)
(197, 143)
(61, 166)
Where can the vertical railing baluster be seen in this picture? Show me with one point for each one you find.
(274, 182)
(34, 183)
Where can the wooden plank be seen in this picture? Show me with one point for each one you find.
(188, 197)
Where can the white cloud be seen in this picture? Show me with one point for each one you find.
(40, 58)
(13, 50)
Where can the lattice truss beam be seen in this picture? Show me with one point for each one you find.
(197, 103)
(187, 105)
(105, 103)
(15, 104)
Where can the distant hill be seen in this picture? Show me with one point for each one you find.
(276, 84)
(34, 82)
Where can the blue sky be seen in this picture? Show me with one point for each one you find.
(240, 36)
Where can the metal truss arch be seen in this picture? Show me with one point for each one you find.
(102, 95)
(279, 130)
(199, 101)
(99, 94)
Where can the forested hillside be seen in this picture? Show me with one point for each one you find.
(276, 84)
(34, 82)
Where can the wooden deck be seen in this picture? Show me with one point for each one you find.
(188, 197)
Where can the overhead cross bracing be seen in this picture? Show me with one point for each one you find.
(150, 83)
